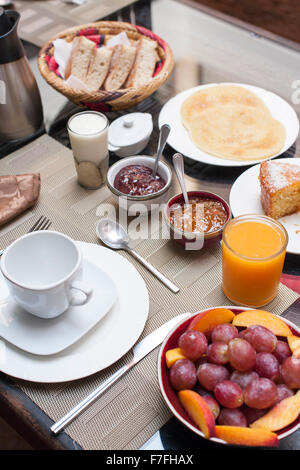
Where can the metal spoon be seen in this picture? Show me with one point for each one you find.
(162, 140)
(114, 235)
(178, 164)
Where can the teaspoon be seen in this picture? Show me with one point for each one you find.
(162, 140)
(178, 164)
(115, 236)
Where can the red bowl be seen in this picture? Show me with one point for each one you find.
(195, 240)
(170, 395)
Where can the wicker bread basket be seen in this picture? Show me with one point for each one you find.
(106, 100)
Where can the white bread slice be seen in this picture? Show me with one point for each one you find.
(144, 65)
(98, 67)
(80, 57)
(121, 63)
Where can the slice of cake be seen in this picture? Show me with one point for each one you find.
(280, 188)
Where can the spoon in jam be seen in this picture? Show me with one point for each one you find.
(178, 164)
(162, 140)
(115, 236)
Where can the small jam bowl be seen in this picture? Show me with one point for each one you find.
(195, 240)
(170, 395)
(139, 204)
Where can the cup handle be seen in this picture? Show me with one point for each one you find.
(82, 296)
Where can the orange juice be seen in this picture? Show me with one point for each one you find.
(254, 249)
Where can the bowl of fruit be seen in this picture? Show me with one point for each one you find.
(232, 375)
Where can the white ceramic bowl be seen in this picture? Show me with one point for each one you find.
(140, 204)
(170, 395)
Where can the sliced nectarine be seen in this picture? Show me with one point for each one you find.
(206, 321)
(294, 344)
(199, 411)
(174, 355)
(281, 415)
(246, 436)
(266, 319)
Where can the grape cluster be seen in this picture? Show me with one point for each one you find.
(240, 374)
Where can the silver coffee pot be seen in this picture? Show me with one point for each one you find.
(21, 112)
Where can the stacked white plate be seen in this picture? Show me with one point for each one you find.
(84, 339)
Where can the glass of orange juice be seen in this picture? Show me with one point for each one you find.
(253, 252)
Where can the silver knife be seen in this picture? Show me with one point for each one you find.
(140, 350)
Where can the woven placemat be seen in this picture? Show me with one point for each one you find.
(132, 410)
(41, 20)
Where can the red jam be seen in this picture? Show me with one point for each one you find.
(200, 215)
(137, 180)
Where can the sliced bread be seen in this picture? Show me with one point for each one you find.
(144, 65)
(121, 63)
(98, 68)
(78, 64)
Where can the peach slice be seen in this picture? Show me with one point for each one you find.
(246, 436)
(206, 321)
(294, 344)
(266, 319)
(281, 415)
(174, 355)
(199, 411)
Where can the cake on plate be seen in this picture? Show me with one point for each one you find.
(280, 188)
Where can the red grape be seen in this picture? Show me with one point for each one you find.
(283, 392)
(266, 365)
(183, 374)
(241, 354)
(282, 351)
(252, 414)
(193, 344)
(262, 339)
(229, 394)
(246, 333)
(232, 417)
(261, 393)
(217, 353)
(213, 404)
(209, 375)
(224, 333)
(290, 372)
(243, 378)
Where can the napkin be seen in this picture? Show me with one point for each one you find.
(17, 193)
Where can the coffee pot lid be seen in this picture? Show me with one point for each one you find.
(130, 129)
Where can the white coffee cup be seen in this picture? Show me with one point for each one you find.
(43, 272)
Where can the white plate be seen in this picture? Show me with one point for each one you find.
(179, 137)
(245, 199)
(50, 336)
(104, 344)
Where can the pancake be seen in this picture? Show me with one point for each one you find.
(237, 132)
(218, 95)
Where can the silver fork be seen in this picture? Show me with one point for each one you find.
(43, 223)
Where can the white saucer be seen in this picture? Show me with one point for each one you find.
(111, 337)
(245, 199)
(179, 137)
(50, 336)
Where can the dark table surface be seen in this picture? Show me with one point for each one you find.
(207, 49)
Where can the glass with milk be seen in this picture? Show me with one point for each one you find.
(88, 133)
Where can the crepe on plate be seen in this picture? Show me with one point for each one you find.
(231, 122)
